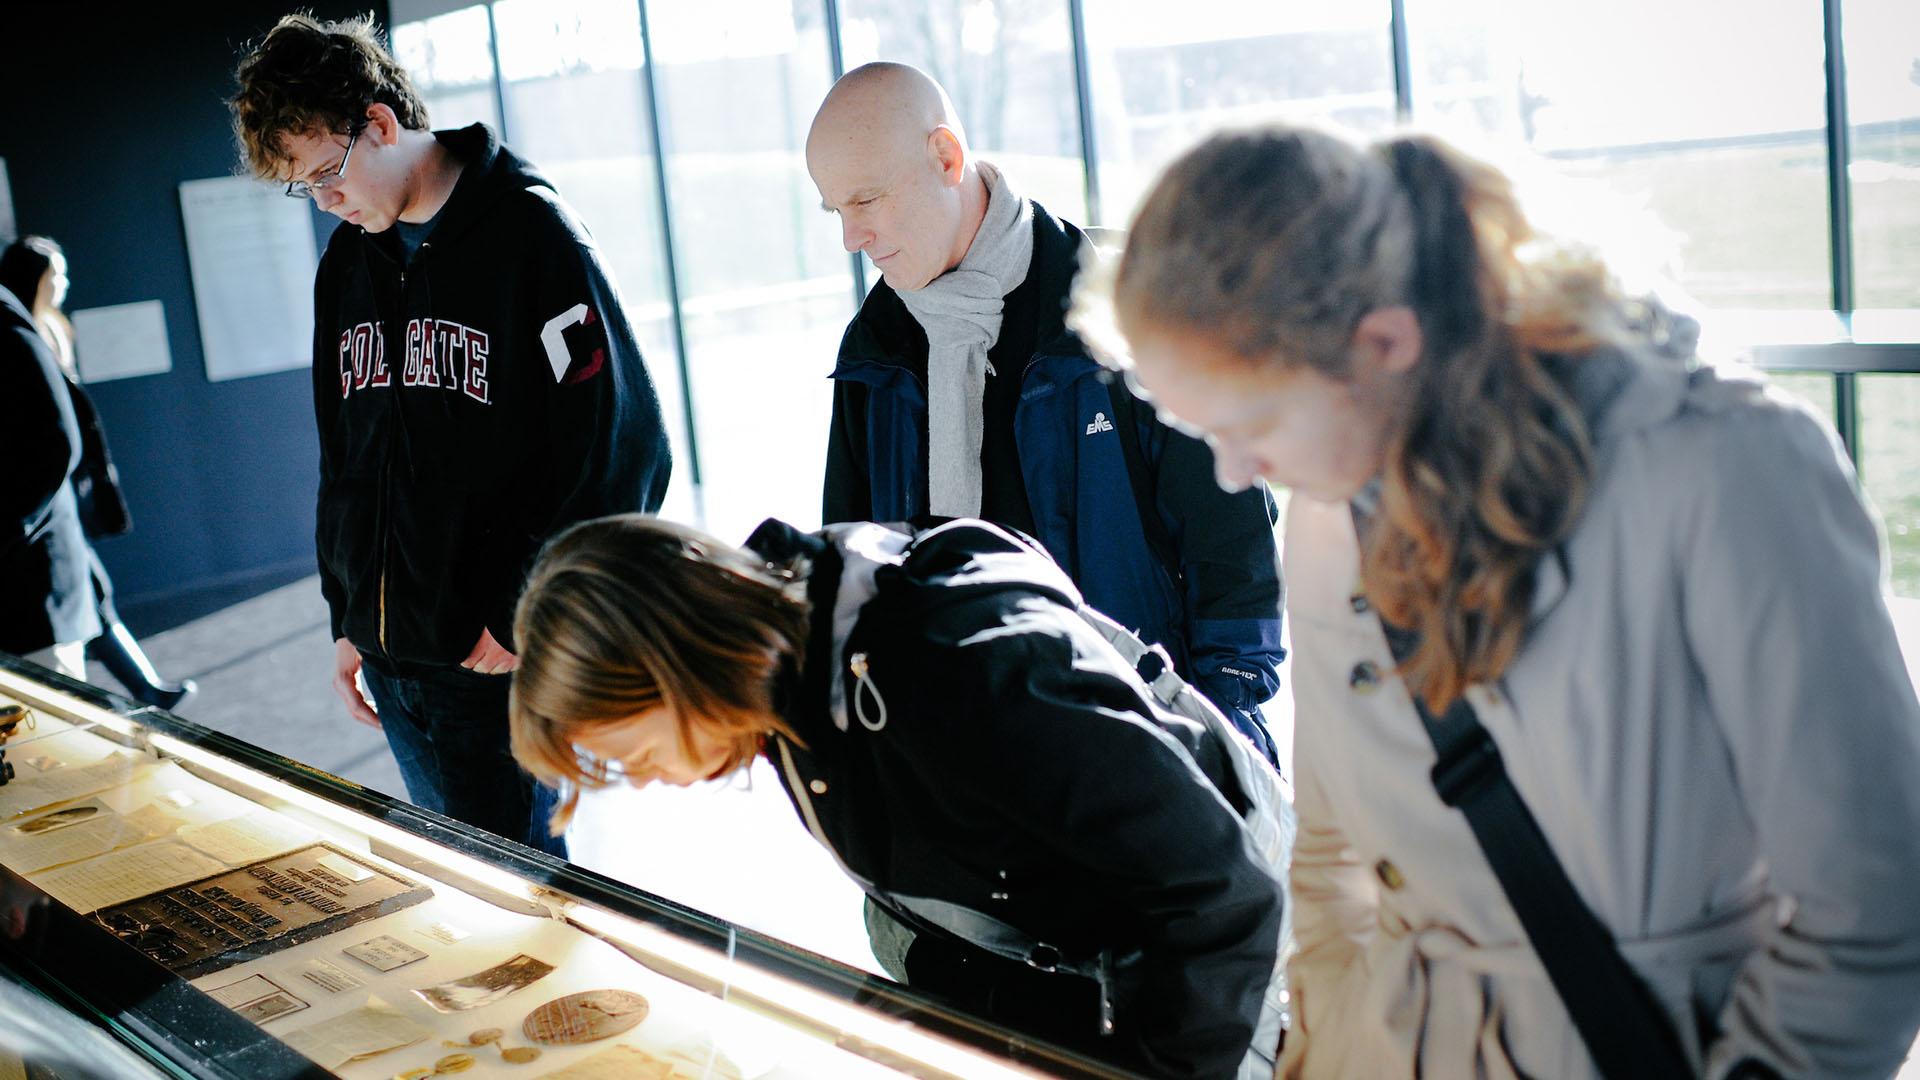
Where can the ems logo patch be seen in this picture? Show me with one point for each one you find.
(1100, 424)
(576, 344)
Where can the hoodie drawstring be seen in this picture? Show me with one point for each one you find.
(863, 688)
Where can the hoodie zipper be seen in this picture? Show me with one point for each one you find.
(386, 493)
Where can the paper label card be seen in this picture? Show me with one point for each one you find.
(384, 953)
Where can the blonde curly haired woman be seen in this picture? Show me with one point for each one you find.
(1519, 494)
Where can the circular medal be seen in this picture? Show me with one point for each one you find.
(585, 1017)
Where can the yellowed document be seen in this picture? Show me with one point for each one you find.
(125, 875)
(77, 831)
(372, 1029)
(620, 1063)
(30, 793)
(259, 834)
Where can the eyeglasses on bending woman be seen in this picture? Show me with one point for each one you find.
(1042, 840)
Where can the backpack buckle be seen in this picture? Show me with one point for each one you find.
(1044, 957)
(1152, 664)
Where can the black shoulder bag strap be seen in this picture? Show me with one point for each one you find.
(1626, 1030)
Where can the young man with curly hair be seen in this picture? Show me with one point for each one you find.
(477, 388)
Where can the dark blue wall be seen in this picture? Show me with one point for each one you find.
(101, 117)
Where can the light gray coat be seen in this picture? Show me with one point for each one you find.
(1713, 725)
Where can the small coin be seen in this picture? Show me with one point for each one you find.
(453, 1063)
(485, 1036)
(519, 1055)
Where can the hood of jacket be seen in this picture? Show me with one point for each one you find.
(491, 171)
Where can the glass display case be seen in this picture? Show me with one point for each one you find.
(175, 902)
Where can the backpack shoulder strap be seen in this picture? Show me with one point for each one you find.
(1126, 423)
(1265, 802)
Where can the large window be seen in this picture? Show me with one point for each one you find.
(571, 75)
(1724, 143)
(1163, 75)
(1007, 65)
(1711, 121)
(450, 57)
(1890, 468)
(765, 286)
(1883, 102)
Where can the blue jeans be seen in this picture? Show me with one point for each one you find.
(448, 731)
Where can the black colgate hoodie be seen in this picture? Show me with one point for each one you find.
(471, 402)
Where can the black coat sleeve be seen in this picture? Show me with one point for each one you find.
(96, 483)
(326, 408)
(599, 444)
(43, 436)
(1058, 738)
(848, 492)
(1230, 567)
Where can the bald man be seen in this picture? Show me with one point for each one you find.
(960, 393)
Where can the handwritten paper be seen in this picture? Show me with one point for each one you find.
(29, 793)
(252, 256)
(125, 875)
(362, 1033)
(248, 838)
(26, 849)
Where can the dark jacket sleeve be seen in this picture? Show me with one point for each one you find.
(42, 435)
(1230, 566)
(1066, 755)
(848, 492)
(96, 483)
(598, 445)
(326, 409)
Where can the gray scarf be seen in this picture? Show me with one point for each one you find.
(960, 311)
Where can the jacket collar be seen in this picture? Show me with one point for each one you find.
(1620, 390)
(491, 171)
(1631, 388)
(15, 305)
(800, 691)
(885, 333)
(848, 565)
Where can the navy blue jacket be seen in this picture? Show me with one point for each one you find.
(1153, 542)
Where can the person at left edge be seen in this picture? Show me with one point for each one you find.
(477, 388)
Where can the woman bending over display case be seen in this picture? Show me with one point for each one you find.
(1042, 841)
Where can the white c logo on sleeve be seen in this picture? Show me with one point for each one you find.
(550, 336)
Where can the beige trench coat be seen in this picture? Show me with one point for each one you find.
(1713, 725)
